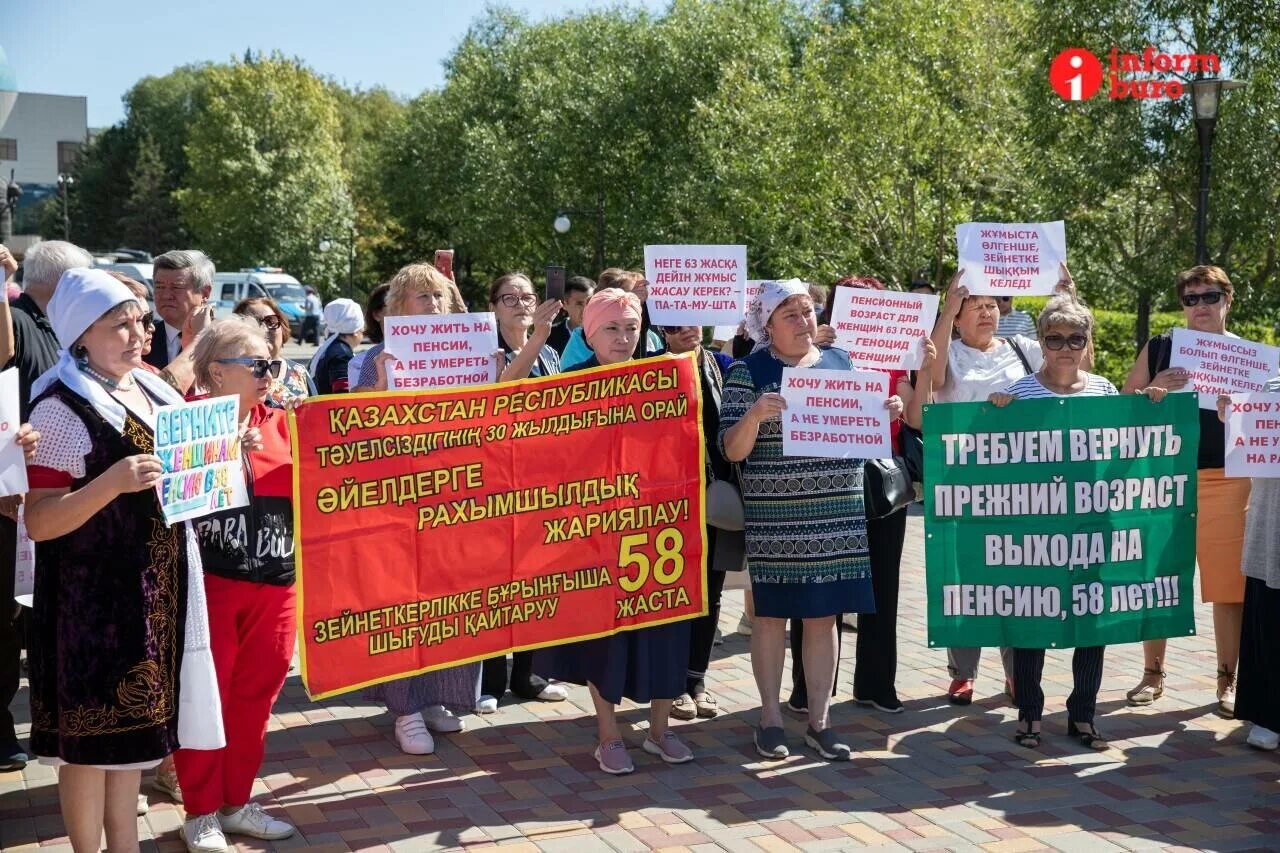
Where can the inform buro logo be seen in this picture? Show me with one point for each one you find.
(1076, 73)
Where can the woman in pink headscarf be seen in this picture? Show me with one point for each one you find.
(645, 665)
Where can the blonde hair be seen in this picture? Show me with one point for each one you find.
(419, 278)
(226, 338)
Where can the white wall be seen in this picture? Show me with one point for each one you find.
(39, 123)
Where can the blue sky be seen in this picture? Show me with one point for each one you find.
(100, 48)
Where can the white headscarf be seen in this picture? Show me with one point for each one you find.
(772, 294)
(341, 317)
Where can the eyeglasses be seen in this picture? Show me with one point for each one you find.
(1057, 342)
(1209, 297)
(148, 320)
(269, 321)
(260, 367)
(511, 300)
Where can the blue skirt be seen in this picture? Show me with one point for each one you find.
(813, 600)
(641, 665)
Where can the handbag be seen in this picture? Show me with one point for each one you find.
(886, 486)
(724, 506)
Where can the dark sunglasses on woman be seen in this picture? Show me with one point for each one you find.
(271, 322)
(148, 320)
(259, 366)
(1057, 342)
(1210, 297)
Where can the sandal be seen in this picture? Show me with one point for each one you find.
(1148, 689)
(1226, 693)
(683, 707)
(1027, 739)
(1089, 740)
(706, 705)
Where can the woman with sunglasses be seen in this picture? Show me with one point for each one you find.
(294, 382)
(1206, 295)
(248, 579)
(515, 306)
(1065, 327)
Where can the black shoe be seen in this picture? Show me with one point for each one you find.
(771, 743)
(12, 756)
(888, 704)
(798, 705)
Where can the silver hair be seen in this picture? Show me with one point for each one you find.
(1065, 311)
(189, 259)
(45, 262)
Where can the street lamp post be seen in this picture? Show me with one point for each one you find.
(64, 189)
(1206, 94)
(327, 243)
(562, 224)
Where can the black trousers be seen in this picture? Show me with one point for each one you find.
(875, 669)
(10, 631)
(702, 635)
(1086, 674)
(524, 684)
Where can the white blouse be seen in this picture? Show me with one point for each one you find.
(974, 375)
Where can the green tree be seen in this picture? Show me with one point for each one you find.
(265, 179)
(150, 219)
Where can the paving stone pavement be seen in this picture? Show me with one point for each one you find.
(1177, 777)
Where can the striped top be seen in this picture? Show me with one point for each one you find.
(1029, 387)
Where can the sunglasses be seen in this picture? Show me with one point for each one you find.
(1209, 297)
(675, 330)
(1005, 298)
(148, 320)
(1057, 342)
(260, 367)
(271, 322)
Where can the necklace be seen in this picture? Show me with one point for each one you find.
(105, 380)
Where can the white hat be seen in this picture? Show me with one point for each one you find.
(772, 294)
(343, 317)
(80, 299)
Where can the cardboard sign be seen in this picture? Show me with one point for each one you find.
(727, 332)
(13, 466)
(441, 350)
(1253, 435)
(199, 446)
(1223, 364)
(835, 413)
(1011, 260)
(882, 329)
(696, 285)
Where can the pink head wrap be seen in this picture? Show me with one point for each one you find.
(607, 306)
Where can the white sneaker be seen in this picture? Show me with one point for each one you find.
(487, 705)
(1263, 738)
(412, 735)
(553, 692)
(143, 805)
(203, 834)
(251, 820)
(441, 719)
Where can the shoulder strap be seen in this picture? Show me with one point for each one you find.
(1017, 350)
(1159, 352)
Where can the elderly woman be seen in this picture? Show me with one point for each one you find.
(805, 523)
(644, 665)
(250, 594)
(525, 353)
(1206, 296)
(294, 382)
(430, 700)
(1065, 327)
(725, 548)
(344, 328)
(120, 673)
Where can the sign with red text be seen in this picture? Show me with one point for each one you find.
(24, 564)
(883, 329)
(696, 285)
(199, 448)
(13, 463)
(835, 413)
(442, 527)
(1222, 364)
(1253, 435)
(1011, 260)
(441, 350)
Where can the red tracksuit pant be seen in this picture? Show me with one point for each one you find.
(251, 631)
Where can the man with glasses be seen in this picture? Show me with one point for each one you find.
(183, 282)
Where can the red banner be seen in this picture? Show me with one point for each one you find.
(442, 527)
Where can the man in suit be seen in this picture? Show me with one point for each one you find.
(183, 283)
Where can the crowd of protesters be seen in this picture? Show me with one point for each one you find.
(169, 655)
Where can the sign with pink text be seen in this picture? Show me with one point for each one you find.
(883, 329)
(1011, 260)
(696, 285)
(839, 414)
(1222, 364)
(441, 350)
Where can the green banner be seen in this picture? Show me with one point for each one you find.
(1061, 522)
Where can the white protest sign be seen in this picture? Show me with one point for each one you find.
(1011, 260)
(727, 332)
(199, 448)
(13, 465)
(441, 350)
(24, 565)
(1222, 364)
(1253, 435)
(835, 413)
(881, 329)
(695, 285)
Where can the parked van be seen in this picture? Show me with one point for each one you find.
(142, 273)
(271, 282)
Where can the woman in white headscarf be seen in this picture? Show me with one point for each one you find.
(805, 521)
(121, 672)
(344, 325)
